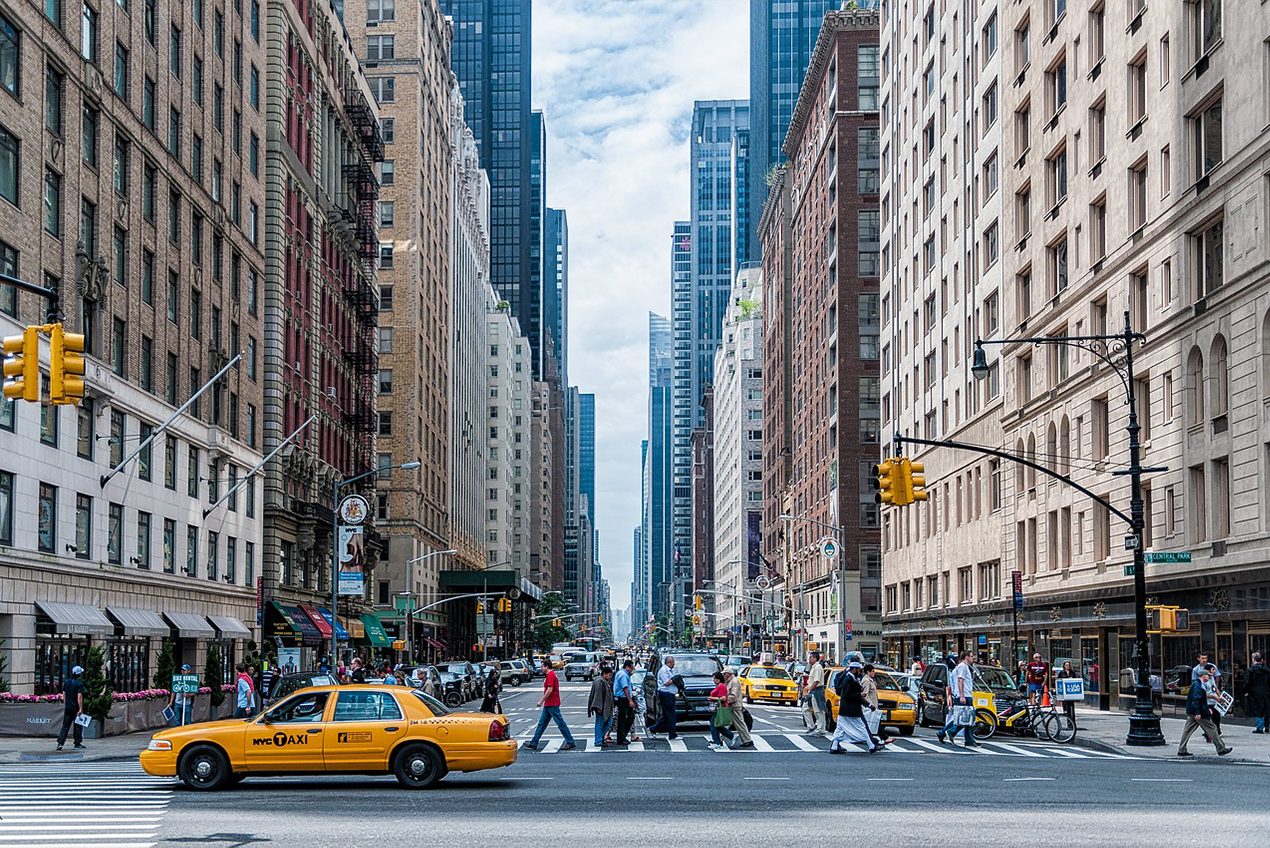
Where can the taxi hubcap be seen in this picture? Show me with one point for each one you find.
(204, 768)
(418, 767)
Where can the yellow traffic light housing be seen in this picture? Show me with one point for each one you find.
(914, 480)
(555, 622)
(480, 607)
(66, 366)
(886, 473)
(22, 366)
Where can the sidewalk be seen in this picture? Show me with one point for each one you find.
(43, 749)
(1107, 731)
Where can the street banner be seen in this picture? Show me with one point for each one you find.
(352, 553)
(260, 601)
(1016, 578)
(1069, 689)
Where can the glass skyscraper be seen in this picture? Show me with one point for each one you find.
(655, 568)
(491, 58)
(555, 286)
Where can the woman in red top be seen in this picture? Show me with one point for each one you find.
(719, 695)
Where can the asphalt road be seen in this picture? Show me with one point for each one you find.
(1018, 792)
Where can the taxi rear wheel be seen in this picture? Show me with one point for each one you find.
(418, 766)
(204, 768)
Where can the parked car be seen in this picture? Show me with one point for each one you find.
(995, 693)
(583, 666)
(516, 672)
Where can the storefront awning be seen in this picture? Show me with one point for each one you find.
(375, 632)
(139, 622)
(435, 644)
(354, 626)
(76, 619)
(290, 622)
(189, 625)
(340, 633)
(230, 627)
(323, 626)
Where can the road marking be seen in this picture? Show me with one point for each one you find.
(762, 745)
(650, 778)
(635, 746)
(1025, 779)
(1063, 752)
(1161, 780)
(765, 778)
(889, 779)
(931, 746)
(1015, 749)
(800, 743)
(526, 778)
(552, 746)
(678, 745)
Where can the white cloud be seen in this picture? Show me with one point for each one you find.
(617, 80)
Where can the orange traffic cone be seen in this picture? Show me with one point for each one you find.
(1045, 696)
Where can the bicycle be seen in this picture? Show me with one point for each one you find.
(1049, 723)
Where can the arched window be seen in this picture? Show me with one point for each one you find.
(1195, 387)
(1065, 443)
(1031, 454)
(1218, 378)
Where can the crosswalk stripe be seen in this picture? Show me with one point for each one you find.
(1075, 755)
(800, 743)
(552, 746)
(762, 745)
(1014, 749)
(107, 805)
(678, 745)
(636, 746)
(931, 746)
(899, 747)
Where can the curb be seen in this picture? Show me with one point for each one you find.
(1097, 745)
(29, 758)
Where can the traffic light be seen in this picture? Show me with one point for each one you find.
(22, 366)
(886, 482)
(66, 366)
(914, 480)
(480, 607)
(1167, 619)
(555, 622)
(504, 604)
(696, 602)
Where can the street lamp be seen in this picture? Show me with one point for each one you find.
(335, 542)
(1116, 351)
(410, 590)
(839, 536)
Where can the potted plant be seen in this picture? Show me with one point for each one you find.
(4, 666)
(98, 693)
(213, 674)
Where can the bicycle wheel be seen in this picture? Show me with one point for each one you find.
(985, 724)
(1060, 727)
(1039, 722)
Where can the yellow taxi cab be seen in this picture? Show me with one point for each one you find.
(899, 710)
(768, 682)
(336, 729)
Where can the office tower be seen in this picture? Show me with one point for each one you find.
(555, 286)
(827, 356)
(655, 530)
(702, 265)
(491, 57)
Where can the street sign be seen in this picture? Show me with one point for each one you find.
(828, 547)
(1129, 570)
(1016, 578)
(1130, 543)
(1172, 557)
(185, 684)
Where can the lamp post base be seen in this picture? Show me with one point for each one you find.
(1144, 724)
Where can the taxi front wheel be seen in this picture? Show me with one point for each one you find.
(204, 768)
(418, 766)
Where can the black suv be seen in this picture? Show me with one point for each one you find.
(932, 703)
(697, 672)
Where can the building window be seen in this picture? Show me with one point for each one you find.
(213, 555)
(83, 526)
(380, 47)
(174, 51)
(145, 459)
(387, 129)
(88, 34)
(1056, 259)
(1207, 252)
(381, 11)
(1204, 24)
(10, 57)
(53, 203)
(191, 551)
(1056, 177)
(384, 89)
(1056, 86)
(1138, 89)
(46, 532)
(1206, 138)
(10, 167)
(114, 534)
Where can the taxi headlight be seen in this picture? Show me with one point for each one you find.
(159, 745)
(908, 707)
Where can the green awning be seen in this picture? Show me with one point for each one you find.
(375, 632)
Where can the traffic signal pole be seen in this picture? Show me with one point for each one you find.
(52, 295)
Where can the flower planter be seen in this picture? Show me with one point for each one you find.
(31, 719)
(131, 713)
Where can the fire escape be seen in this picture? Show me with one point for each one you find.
(360, 293)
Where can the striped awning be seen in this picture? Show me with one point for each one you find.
(230, 627)
(76, 619)
(139, 622)
(188, 625)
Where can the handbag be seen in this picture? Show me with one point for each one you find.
(874, 719)
(964, 715)
(722, 717)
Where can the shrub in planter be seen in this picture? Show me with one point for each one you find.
(214, 671)
(98, 693)
(165, 666)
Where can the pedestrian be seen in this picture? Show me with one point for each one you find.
(1038, 677)
(182, 706)
(916, 669)
(1257, 693)
(245, 691)
(721, 720)
(388, 676)
(358, 673)
(735, 701)
(600, 704)
(814, 697)
(872, 717)
(624, 698)
(493, 688)
(667, 694)
(961, 702)
(72, 708)
(1215, 679)
(1199, 713)
(268, 677)
(550, 703)
(850, 725)
(1065, 673)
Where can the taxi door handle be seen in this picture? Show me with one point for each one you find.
(391, 729)
(314, 730)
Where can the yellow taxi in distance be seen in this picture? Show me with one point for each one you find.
(768, 683)
(336, 729)
(899, 710)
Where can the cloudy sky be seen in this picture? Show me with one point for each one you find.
(617, 79)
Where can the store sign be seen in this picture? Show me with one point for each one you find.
(260, 601)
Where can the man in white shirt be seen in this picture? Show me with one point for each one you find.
(814, 697)
(667, 692)
(961, 693)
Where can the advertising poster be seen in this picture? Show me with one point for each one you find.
(352, 560)
(288, 660)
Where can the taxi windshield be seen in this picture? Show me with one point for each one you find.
(434, 706)
(994, 678)
(886, 681)
(768, 674)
